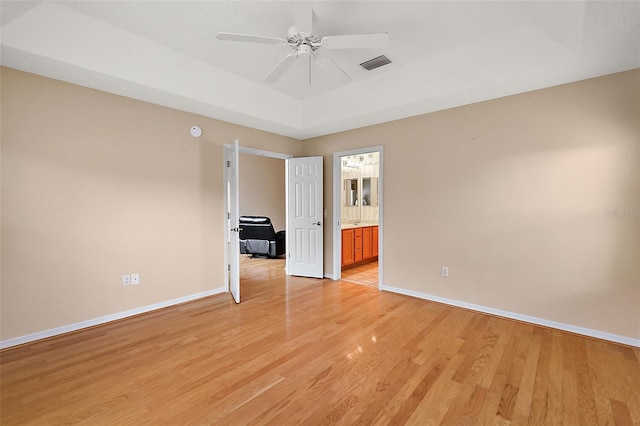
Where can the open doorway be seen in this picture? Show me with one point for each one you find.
(262, 188)
(308, 244)
(262, 193)
(358, 209)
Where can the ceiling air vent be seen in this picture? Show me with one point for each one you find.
(374, 63)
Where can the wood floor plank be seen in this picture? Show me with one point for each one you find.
(307, 351)
(439, 399)
(555, 406)
(540, 394)
(489, 411)
(398, 402)
(511, 391)
(586, 399)
(571, 408)
(527, 383)
(621, 413)
(419, 392)
(455, 412)
(473, 406)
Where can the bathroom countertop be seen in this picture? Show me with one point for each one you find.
(359, 225)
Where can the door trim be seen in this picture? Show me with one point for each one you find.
(252, 151)
(337, 192)
(231, 194)
(263, 153)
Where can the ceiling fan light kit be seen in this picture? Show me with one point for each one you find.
(304, 50)
(306, 45)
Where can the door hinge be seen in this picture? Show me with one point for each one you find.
(229, 267)
(228, 215)
(228, 163)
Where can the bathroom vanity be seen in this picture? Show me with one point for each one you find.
(359, 244)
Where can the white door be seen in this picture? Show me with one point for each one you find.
(232, 209)
(304, 217)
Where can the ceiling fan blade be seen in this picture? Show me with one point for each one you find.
(302, 15)
(280, 69)
(329, 66)
(249, 38)
(356, 41)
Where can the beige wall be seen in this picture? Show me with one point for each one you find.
(95, 186)
(262, 188)
(512, 195)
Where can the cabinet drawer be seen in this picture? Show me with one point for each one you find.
(358, 232)
(357, 243)
(358, 255)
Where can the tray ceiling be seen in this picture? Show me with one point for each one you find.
(444, 54)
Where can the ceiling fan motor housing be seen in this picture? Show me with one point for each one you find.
(304, 44)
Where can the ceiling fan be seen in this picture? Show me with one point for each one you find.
(306, 44)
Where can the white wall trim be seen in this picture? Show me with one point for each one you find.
(329, 276)
(105, 319)
(263, 153)
(512, 315)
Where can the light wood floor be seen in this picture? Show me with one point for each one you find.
(304, 351)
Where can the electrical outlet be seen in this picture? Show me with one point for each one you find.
(445, 271)
(135, 279)
(126, 279)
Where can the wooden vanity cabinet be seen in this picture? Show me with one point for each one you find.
(359, 244)
(347, 247)
(366, 242)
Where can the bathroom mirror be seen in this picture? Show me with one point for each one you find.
(370, 191)
(351, 192)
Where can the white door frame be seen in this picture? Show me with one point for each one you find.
(263, 153)
(232, 213)
(252, 151)
(337, 212)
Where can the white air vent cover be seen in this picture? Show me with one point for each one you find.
(374, 63)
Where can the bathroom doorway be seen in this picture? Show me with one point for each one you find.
(358, 210)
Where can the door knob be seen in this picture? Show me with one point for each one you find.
(317, 223)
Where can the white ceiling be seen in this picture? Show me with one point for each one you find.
(444, 54)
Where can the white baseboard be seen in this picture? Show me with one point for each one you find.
(512, 315)
(498, 312)
(107, 318)
(329, 276)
